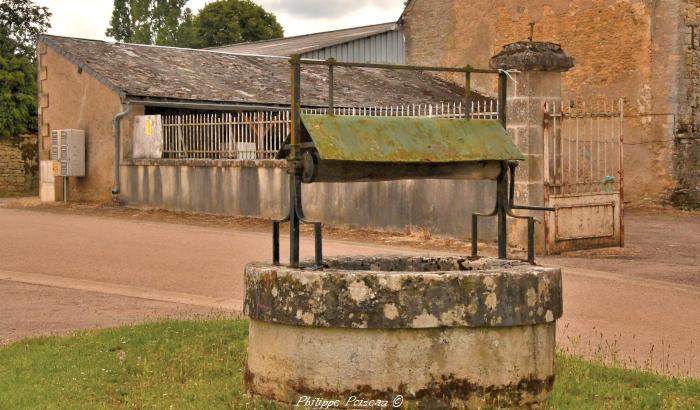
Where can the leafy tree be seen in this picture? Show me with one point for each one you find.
(121, 28)
(167, 16)
(164, 22)
(187, 33)
(146, 21)
(224, 22)
(21, 22)
(17, 95)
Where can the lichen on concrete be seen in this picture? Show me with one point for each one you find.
(533, 56)
(405, 292)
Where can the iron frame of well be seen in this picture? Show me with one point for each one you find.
(505, 191)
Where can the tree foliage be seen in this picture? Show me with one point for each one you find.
(21, 22)
(165, 22)
(226, 22)
(146, 21)
(17, 95)
(188, 33)
(120, 26)
(167, 16)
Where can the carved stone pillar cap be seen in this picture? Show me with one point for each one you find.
(533, 56)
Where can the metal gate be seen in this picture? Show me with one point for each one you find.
(584, 175)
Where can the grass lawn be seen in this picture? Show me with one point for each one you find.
(199, 364)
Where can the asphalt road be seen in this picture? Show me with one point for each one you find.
(151, 255)
(61, 272)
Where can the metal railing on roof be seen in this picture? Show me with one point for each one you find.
(260, 134)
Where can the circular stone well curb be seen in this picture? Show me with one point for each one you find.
(436, 332)
(409, 292)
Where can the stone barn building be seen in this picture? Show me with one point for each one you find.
(84, 84)
(647, 52)
(204, 96)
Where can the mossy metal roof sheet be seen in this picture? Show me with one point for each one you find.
(402, 139)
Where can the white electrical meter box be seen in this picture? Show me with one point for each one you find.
(68, 152)
(148, 136)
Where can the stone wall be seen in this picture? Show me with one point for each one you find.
(687, 141)
(623, 48)
(15, 171)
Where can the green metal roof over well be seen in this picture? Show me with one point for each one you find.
(409, 140)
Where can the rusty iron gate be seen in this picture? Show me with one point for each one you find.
(584, 175)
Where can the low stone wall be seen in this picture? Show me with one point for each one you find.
(686, 159)
(14, 174)
(260, 189)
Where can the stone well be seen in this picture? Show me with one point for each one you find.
(439, 331)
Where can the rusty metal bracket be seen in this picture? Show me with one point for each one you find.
(296, 212)
(504, 208)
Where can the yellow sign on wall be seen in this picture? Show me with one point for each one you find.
(149, 127)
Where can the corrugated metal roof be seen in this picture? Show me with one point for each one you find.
(308, 42)
(409, 140)
(206, 75)
(386, 47)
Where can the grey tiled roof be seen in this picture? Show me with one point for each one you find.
(204, 75)
(307, 43)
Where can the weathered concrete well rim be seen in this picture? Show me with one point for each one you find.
(404, 292)
(438, 332)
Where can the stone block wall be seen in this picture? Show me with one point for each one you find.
(687, 140)
(631, 49)
(526, 126)
(15, 174)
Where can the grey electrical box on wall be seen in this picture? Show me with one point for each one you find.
(68, 152)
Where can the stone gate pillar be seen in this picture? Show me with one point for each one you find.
(535, 69)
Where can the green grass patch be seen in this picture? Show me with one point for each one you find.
(582, 384)
(174, 364)
(199, 364)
